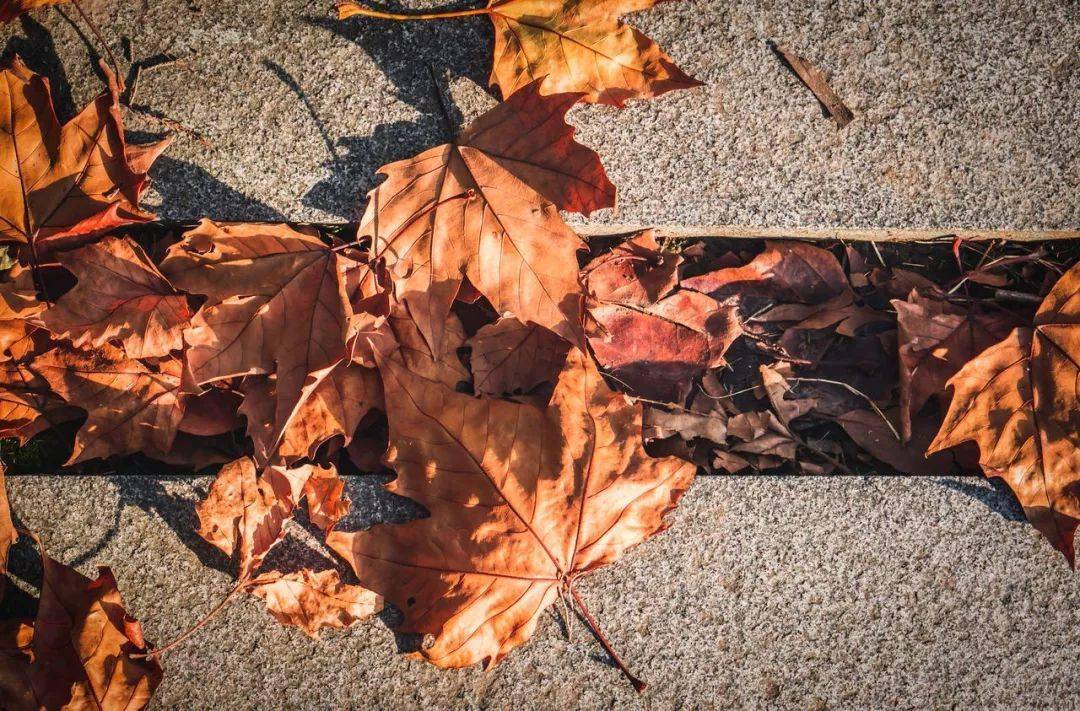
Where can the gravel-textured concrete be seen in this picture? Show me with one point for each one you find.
(768, 592)
(967, 111)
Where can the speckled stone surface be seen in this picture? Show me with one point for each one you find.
(967, 111)
(768, 592)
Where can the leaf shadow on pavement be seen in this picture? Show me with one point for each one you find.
(186, 189)
(36, 47)
(992, 493)
(411, 55)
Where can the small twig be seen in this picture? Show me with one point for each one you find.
(854, 391)
(1017, 296)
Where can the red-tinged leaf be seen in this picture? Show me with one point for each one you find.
(486, 208)
(10, 9)
(120, 295)
(314, 600)
(936, 339)
(62, 184)
(80, 653)
(658, 351)
(130, 407)
(634, 273)
(523, 501)
(786, 271)
(1019, 400)
(511, 357)
(19, 304)
(211, 413)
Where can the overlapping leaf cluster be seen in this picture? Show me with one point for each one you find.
(283, 354)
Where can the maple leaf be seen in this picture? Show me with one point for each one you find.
(313, 600)
(509, 356)
(120, 295)
(1019, 400)
(130, 408)
(785, 271)
(579, 45)
(653, 340)
(398, 336)
(276, 304)
(80, 652)
(936, 339)
(62, 183)
(486, 207)
(523, 500)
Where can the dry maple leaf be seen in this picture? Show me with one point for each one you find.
(65, 182)
(785, 271)
(244, 515)
(509, 356)
(312, 601)
(486, 207)
(579, 45)
(1019, 400)
(524, 501)
(130, 408)
(80, 652)
(120, 295)
(275, 304)
(398, 336)
(936, 339)
(27, 404)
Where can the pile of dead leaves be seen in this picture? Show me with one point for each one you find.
(547, 405)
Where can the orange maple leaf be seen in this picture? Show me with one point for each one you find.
(524, 502)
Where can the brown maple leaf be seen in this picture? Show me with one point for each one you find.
(486, 207)
(398, 336)
(130, 406)
(936, 339)
(63, 183)
(1019, 400)
(120, 295)
(27, 403)
(579, 45)
(276, 304)
(82, 652)
(788, 272)
(313, 600)
(524, 501)
(509, 356)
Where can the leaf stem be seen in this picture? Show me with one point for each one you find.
(241, 585)
(101, 40)
(638, 684)
(351, 9)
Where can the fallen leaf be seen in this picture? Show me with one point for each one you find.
(213, 412)
(936, 339)
(777, 388)
(120, 295)
(275, 304)
(578, 45)
(314, 600)
(130, 408)
(634, 273)
(27, 404)
(67, 182)
(523, 501)
(787, 272)
(486, 207)
(656, 352)
(815, 81)
(511, 357)
(244, 514)
(868, 430)
(80, 652)
(398, 336)
(1019, 401)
